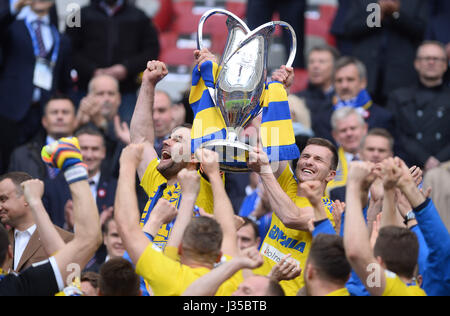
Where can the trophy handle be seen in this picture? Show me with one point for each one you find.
(266, 30)
(232, 20)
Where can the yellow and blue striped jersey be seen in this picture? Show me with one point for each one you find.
(152, 180)
(281, 240)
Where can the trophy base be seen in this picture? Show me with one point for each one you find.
(233, 155)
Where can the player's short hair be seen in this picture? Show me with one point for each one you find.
(17, 177)
(118, 278)
(399, 249)
(326, 143)
(203, 239)
(327, 254)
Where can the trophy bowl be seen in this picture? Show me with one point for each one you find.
(240, 84)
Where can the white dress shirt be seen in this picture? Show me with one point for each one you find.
(93, 184)
(21, 240)
(351, 157)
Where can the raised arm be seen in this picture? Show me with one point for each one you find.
(389, 175)
(189, 181)
(141, 127)
(162, 213)
(292, 216)
(312, 191)
(223, 209)
(50, 239)
(126, 210)
(356, 235)
(65, 154)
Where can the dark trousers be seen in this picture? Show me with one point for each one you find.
(290, 11)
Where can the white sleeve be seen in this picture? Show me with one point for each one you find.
(58, 276)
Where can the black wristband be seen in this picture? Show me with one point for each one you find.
(319, 222)
(422, 206)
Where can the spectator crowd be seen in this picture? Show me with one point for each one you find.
(89, 175)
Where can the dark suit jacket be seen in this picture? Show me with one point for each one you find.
(34, 252)
(17, 69)
(338, 193)
(27, 158)
(128, 38)
(391, 47)
(338, 27)
(57, 194)
(422, 127)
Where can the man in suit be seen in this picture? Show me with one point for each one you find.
(16, 213)
(57, 198)
(422, 111)
(115, 39)
(291, 11)
(35, 64)
(350, 83)
(349, 128)
(387, 49)
(58, 121)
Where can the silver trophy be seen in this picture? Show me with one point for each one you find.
(240, 83)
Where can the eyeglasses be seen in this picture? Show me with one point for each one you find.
(432, 59)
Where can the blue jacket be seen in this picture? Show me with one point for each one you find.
(17, 68)
(436, 275)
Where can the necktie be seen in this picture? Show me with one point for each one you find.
(40, 40)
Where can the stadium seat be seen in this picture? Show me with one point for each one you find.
(320, 27)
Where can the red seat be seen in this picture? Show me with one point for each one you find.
(238, 8)
(321, 27)
(164, 17)
(175, 57)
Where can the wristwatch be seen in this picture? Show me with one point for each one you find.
(409, 217)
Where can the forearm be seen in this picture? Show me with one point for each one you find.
(375, 207)
(413, 194)
(184, 217)
(49, 237)
(389, 216)
(126, 210)
(87, 237)
(356, 235)
(208, 284)
(224, 214)
(86, 217)
(286, 210)
(152, 226)
(141, 127)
